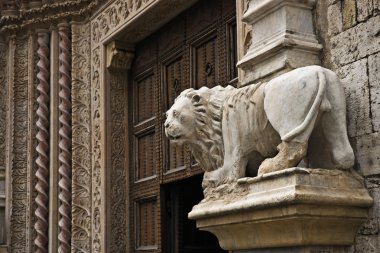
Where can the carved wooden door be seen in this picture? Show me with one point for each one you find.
(195, 49)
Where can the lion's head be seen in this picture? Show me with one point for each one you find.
(195, 119)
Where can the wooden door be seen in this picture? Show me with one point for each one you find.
(195, 49)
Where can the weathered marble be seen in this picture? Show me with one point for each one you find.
(235, 132)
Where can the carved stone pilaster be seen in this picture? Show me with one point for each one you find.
(97, 152)
(282, 38)
(64, 170)
(119, 59)
(18, 140)
(81, 139)
(42, 186)
(3, 124)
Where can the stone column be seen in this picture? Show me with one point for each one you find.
(64, 171)
(42, 187)
(282, 38)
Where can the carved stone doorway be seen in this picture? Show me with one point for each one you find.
(197, 48)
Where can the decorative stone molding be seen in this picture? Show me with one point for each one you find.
(119, 57)
(294, 207)
(4, 98)
(282, 38)
(18, 141)
(97, 215)
(114, 16)
(44, 13)
(81, 138)
(64, 170)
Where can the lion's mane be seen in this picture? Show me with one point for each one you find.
(208, 147)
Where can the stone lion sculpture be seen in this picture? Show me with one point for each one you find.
(265, 127)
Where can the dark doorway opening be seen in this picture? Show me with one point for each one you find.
(180, 233)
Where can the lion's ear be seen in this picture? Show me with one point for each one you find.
(195, 98)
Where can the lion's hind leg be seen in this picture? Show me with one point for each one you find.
(289, 155)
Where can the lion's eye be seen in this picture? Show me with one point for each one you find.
(175, 113)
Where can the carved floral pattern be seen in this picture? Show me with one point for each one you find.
(114, 16)
(96, 153)
(3, 100)
(19, 134)
(81, 139)
(118, 171)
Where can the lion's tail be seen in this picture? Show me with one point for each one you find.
(313, 110)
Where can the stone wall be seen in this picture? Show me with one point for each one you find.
(350, 33)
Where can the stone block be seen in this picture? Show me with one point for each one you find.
(374, 84)
(365, 9)
(374, 211)
(356, 43)
(283, 38)
(368, 154)
(370, 227)
(376, 7)
(355, 80)
(367, 244)
(349, 13)
(334, 15)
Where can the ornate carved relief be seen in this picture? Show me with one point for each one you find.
(119, 172)
(3, 101)
(19, 135)
(81, 139)
(114, 16)
(42, 186)
(47, 13)
(3, 113)
(65, 139)
(96, 153)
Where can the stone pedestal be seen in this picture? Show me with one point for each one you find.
(282, 38)
(287, 211)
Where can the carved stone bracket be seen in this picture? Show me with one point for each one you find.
(119, 57)
(282, 38)
(291, 208)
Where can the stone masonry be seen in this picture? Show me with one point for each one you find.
(350, 32)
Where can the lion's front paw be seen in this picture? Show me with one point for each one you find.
(218, 177)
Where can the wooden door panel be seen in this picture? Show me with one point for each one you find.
(144, 97)
(203, 16)
(173, 82)
(146, 217)
(172, 37)
(205, 62)
(145, 156)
